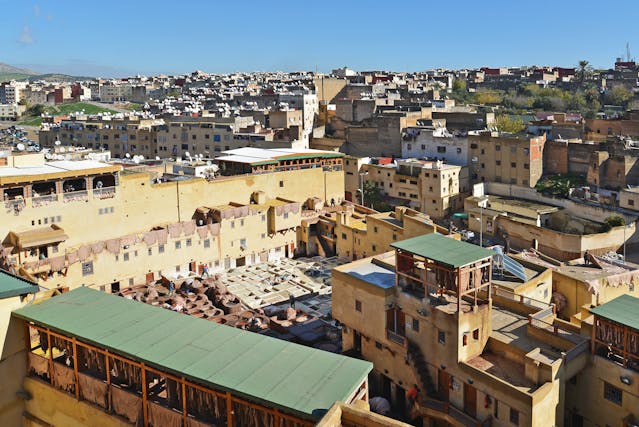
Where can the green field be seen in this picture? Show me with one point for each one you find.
(64, 109)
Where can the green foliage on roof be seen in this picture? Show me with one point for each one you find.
(442, 249)
(297, 379)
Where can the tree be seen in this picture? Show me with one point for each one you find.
(583, 72)
(374, 197)
(36, 110)
(509, 124)
(619, 95)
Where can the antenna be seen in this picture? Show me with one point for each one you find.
(628, 51)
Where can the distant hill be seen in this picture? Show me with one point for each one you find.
(9, 72)
(10, 69)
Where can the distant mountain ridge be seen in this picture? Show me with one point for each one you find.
(10, 69)
(9, 72)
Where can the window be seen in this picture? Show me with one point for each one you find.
(415, 325)
(178, 244)
(513, 149)
(459, 150)
(87, 268)
(150, 251)
(394, 236)
(473, 146)
(374, 248)
(375, 229)
(513, 164)
(526, 166)
(126, 256)
(465, 340)
(497, 147)
(514, 416)
(232, 224)
(285, 215)
(263, 235)
(496, 409)
(441, 149)
(207, 243)
(612, 393)
(441, 337)
(281, 184)
(188, 242)
(498, 162)
(358, 305)
(631, 202)
(160, 249)
(483, 151)
(378, 345)
(343, 236)
(476, 334)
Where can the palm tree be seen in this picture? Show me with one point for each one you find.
(583, 71)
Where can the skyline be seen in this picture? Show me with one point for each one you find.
(71, 38)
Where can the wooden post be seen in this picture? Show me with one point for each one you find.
(27, 341)
(229, 410)
(50, 357)
(108, 379)
(625, 345)
(183, 400)
(276, 418)
(145, 409)
(592, 336)
(75, 370)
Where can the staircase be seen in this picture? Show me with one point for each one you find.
(325, 246)
(421, 370)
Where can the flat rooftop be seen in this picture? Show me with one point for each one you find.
(54, 169)
(300, 380)
(444, 250)
(372, 273)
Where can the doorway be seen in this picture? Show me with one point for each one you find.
(115, 287)
(357, 342)
(470, 400)
(443, 384)
(150, 277)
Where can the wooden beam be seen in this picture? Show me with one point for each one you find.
(108, 379)
(145, 409)
(184, 401)
(50, 357)
(75, 370)
(229, 410)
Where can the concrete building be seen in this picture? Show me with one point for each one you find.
(150, 228)
(509, 159)
(435, 143)
(11, 112)
(431, 187)
(428, 315)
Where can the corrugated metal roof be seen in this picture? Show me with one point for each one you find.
(12, 286)
(297, 379)
(623, 310)
(445, 250)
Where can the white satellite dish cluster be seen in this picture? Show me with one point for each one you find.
(136, 158)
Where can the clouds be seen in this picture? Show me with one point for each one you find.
(26, 37)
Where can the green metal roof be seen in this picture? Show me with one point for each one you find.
(443, 249)
(299, 380)
(623, 310)
(12, 285)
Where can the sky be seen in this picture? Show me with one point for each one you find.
(128, 37)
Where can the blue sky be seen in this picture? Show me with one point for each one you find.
(111, 38)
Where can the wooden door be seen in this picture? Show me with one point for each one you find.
(443, 385)
(470, 400)
(150, 277)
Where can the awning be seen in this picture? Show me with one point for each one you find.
(38, 237)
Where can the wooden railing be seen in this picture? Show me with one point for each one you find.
(396, 338)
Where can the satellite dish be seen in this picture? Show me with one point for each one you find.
(62, 149)
(187, 154)
(57, 142)
(157, 157)
(136, 161)
(20, 146)
(127, 155)
(208, 163)
(48, 156)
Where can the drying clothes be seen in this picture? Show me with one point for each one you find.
(63, 378)
(149, 238)
(113, 246)
(162, 236)
(72, 257)
(175, 230)
(129, 240)
(126, 404)
(214, 229)
(203, 231)
(159, 416)
(93, 390)
(97, 247)
(38, 364)
(57, 263)
(188, 227)
(84, 252)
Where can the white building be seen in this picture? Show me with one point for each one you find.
(435, 144)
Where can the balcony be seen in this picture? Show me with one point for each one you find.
(44, 200)
(76, 196)
(15, 206)
(104, 193)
